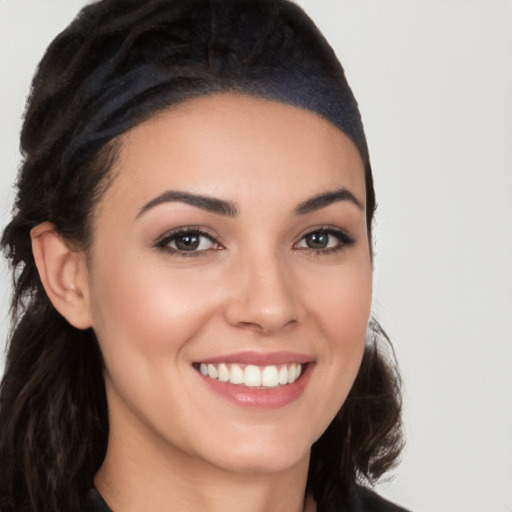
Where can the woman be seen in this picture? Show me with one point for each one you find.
(192, 255)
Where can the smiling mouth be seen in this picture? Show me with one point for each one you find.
(252, 376)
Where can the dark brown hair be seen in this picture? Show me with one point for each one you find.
(118, 63)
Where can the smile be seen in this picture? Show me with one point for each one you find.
(252, 376)
(256, 379)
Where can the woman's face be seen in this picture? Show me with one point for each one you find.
(232, 242)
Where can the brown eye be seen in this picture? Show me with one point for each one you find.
(189, 242)
(325, 240)
(318, 240)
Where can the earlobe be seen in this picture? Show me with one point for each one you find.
(63, 273)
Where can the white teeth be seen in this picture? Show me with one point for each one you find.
(253, 376)
(236, 375)
(292, 374)
(269, 377)
(283, 375)
(212, 371)
(223, 373)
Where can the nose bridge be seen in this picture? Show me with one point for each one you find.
(264, 297)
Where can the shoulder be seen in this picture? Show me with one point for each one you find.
(366, 500)
(355, 499)
(95, 503)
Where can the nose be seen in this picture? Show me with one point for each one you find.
(264, 296)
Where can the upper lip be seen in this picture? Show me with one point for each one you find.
(259, 358)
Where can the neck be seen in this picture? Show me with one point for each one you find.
(131, 488)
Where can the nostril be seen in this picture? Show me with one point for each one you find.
(263, 320)
(264, 295)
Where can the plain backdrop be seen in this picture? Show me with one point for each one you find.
(434, 83)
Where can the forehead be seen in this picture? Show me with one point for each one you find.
(235, 146)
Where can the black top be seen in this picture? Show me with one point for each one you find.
(360, 500)
(95, 503)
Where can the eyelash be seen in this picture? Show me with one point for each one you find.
(163, 243)
(344, 240)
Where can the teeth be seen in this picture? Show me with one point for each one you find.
(212, 371)
(292, 374)
(283, 375)
(298, 371)
(295, 373)
(253, 376)
(270, 377)
(236, 374)
(223, 373)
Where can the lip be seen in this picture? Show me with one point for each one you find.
(260, 358)
(260, 398)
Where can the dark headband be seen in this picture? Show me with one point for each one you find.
(121, 61)
(132, 59)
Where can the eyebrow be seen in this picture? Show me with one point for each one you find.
(229, 209)
(326, 199)
(210, 204)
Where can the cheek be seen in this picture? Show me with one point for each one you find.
(146, 319)
(121, 300)
(347, 310)
(341, 310)
(341, 302)
(145, 309)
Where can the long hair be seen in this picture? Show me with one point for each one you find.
(117, 64)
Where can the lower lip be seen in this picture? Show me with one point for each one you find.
(261, 398)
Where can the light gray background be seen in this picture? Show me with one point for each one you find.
(434, 82)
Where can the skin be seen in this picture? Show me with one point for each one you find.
(174, 444)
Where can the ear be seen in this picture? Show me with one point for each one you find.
(63, 272)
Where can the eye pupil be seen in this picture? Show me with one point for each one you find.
(317, 240)
(187, 242)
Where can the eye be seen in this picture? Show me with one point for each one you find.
(187, 242)
(325, 240)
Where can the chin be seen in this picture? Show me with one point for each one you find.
(262, 453)
(271, 461)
